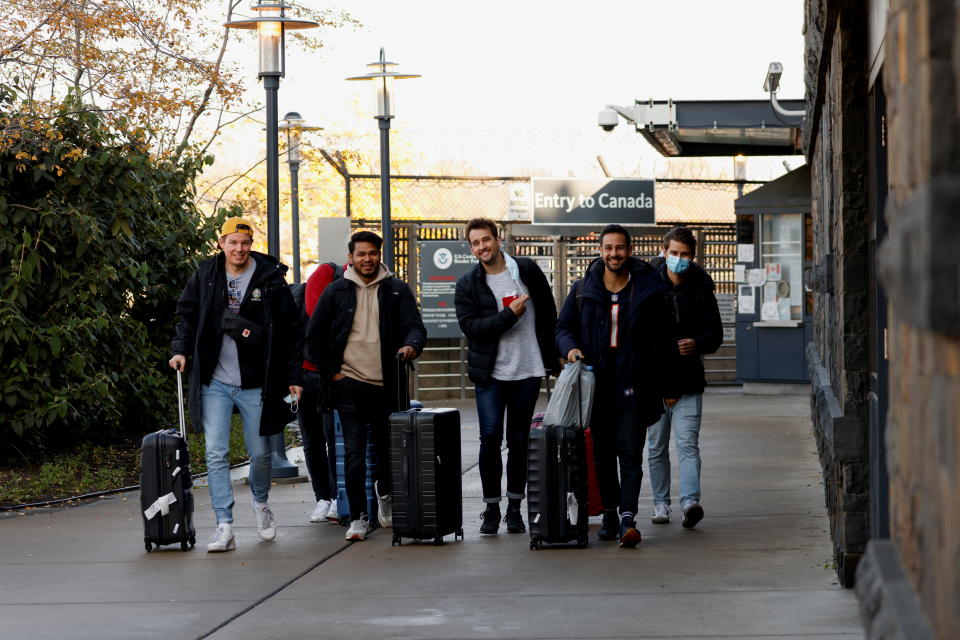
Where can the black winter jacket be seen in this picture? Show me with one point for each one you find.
(653, 349)
(273, 364)
(483, 324)
(332, 319)
(697, 316)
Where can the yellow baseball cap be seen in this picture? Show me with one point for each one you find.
(236, 225)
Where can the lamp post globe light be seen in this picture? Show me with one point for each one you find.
(272, 24)
(382, 79)
(293, 125)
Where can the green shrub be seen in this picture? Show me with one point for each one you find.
(97, 240)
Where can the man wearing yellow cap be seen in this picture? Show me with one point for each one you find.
(239, 324)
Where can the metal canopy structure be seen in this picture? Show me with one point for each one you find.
(790, 193)
(720, 128)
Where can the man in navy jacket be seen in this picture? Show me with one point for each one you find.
(699, 331)
(617, 318)
(506, 310)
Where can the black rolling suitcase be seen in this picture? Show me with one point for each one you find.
(166, 486)
(425, 472)
(557, 486)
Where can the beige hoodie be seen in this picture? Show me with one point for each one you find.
(361, 357)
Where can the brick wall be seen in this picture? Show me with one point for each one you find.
(836, 135)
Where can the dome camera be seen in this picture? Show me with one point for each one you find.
(608, 119)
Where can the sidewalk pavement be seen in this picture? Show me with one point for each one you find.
(757, 566)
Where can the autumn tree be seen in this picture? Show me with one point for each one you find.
(157, 70)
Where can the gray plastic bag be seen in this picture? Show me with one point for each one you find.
(572, 399)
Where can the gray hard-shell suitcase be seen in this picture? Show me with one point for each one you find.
(557, 486)
(166, 485)
(425, 472)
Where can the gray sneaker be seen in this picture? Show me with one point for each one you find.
(384, 508)
(222, 539)
(692, 514)
(661, 514)
(266, 523)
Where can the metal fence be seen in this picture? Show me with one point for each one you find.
(435, 208)
(442, 369)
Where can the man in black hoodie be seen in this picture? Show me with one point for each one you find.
(616, 317)
(699, 332)
(239, 324)
(506, 310)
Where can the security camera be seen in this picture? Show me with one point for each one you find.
(608, 119)
(772, 81)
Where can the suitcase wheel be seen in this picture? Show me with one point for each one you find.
(438, 541)
(396, 541)
(535, 544)
(458, 534)
(193, 541)
(582, 543)
(148, 546)
(183, 545)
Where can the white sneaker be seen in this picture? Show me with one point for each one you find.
(266, 523)
(320, 513)
(384, 508)
(222, 539)
(332, 515)
(358, 529)
(661, 514)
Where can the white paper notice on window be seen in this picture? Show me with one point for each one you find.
(756, 277)
(744, 253)
(746, 300)
(769, 311)
(739, 273)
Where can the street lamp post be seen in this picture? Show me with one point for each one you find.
(271, 25)
(384, 93)
(293, 124)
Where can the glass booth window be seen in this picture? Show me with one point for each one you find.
(781, 258)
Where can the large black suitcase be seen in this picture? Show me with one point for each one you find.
(425, 474)
(557, 486)
(166, 486)
(425, 471)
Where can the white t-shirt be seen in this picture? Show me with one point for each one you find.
(228, 365)
(518, 354)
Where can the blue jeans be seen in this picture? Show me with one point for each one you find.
(684, 418)
(218, 401)
(519, 399)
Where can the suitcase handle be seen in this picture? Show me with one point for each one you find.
(183, 422)
(403, 386)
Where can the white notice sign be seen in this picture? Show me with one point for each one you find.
(739, 273)
(744, 253)
(746, 300)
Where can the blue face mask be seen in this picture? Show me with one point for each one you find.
(677, 264)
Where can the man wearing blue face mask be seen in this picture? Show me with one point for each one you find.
(699, 331)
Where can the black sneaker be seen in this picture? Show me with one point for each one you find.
(491, 518)
(629, 535)
(692, 514)
(514, 520)
(609, 526)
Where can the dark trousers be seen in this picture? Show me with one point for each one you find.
(616, 435)
(316, 429)
(519, 399)
(363, 407)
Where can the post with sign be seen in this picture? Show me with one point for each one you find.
(441, 263)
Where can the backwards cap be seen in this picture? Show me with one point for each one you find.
(236, 225)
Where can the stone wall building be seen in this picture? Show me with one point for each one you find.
(882, 138)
